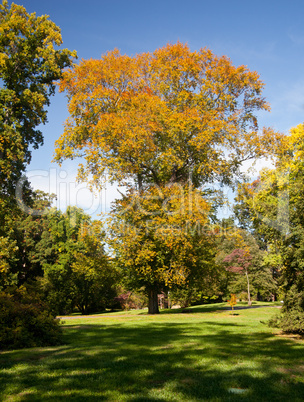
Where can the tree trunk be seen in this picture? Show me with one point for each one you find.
(248, 289)
(153, 301)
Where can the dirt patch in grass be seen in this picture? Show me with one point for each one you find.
(188, 381)
(291, 370)
(297, 337)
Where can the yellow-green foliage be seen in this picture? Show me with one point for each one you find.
(232, 300)
(158, 236)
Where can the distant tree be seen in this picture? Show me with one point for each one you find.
(239, 261)
(76, 268)
(239, 253)
(63, 240)
(232, 301)
(94, 277)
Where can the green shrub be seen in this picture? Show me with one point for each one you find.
(291, 317)
(293, 322)
(25, 320)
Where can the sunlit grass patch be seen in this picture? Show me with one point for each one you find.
(176, 356)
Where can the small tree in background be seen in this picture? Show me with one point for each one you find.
(239, 261)
(232, 301)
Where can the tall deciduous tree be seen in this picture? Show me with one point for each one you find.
(94, 277)
(29, 64)
(76, 267)
(157, 119)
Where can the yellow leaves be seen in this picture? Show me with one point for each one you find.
(3, 57)
(232, 300)
(239, 242)
(293, 150)
(153, 232)
(161, 120)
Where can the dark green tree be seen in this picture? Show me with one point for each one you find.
(93, 275)
(30, 63)
(25, 240)
(77, 270)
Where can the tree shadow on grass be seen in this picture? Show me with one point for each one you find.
(157, 362)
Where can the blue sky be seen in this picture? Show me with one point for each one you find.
(267, 36)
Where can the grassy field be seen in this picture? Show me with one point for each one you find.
(204, 354)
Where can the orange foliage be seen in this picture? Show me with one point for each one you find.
(162, 115)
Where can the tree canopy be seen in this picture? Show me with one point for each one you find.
(30, 63)
(157, 118)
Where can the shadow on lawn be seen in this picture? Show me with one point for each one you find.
(151, 361)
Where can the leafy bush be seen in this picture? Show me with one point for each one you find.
(25, 320)
(293, 322)
(291, 318)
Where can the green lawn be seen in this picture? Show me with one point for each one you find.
(204, 354)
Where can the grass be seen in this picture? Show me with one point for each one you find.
(205, 354)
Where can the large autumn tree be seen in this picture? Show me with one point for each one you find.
(156, 119)
(30, 63)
